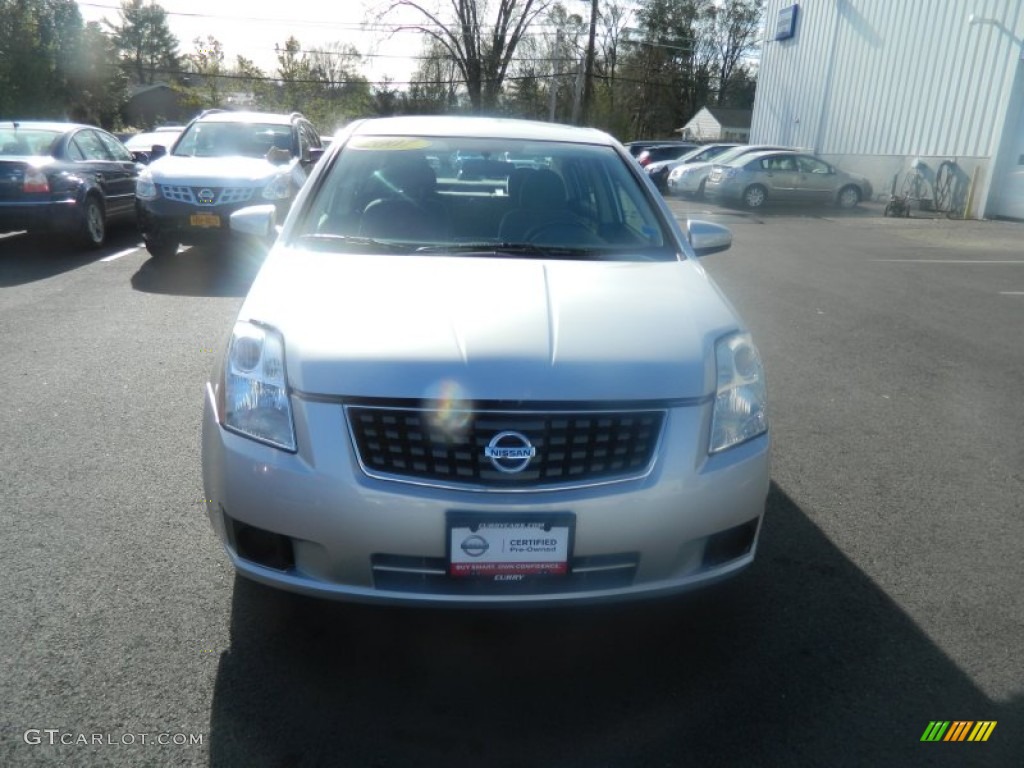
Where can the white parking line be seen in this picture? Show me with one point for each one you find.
(1011, 293)
(946, 261)
(119, 254)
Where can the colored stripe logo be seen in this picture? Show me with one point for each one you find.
(958, 730)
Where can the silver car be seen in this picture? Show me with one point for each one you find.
(523, 390)
(761, 177)
(689, 179)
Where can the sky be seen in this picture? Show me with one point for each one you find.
(252, 29)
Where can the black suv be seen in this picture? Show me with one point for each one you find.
(222, 161)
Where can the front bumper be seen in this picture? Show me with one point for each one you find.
(173, 220)
(687, 184)
(353, 537)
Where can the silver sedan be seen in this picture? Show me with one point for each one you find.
(491, 392)
(756, 179)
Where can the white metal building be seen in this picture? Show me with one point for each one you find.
(874, 85)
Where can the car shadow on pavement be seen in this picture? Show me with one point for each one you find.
(683, 207)
(26, 258)
(205, 270)
(801, 661)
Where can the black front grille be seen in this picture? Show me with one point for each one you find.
(448, 448)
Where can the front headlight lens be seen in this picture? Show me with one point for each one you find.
(256, 402)
(741, 400)
(145, 188)
(279, 189)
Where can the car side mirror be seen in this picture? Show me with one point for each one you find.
(140, 157)
(158, 150)
(257, 221)
(707, 238)
(315, 153)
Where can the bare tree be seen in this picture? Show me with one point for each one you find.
(734, 29)
(481, 50)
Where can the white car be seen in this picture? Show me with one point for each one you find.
(521, 390)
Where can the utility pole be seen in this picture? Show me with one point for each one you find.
(588, 85)
(557, 76)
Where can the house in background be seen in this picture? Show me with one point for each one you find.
(718, 124)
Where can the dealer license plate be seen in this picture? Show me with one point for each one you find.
(204, 220)
(509, 549)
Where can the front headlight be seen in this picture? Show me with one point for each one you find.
(145, 188)
(741, 407)
(256, 402)
(279, 189)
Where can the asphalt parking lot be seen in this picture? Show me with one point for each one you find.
(888, 591)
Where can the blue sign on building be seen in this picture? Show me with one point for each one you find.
(785, 23)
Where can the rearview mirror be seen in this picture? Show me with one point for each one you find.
(707, 238)
(158, 150)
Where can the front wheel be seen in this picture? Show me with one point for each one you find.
(849, 197)
(755, 196)
(162, 247)
(94, 224)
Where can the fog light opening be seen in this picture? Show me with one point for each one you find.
(271, 550)
(730, 544)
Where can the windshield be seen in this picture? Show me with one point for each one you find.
(215, 139)
(27, 141)
(401, 194)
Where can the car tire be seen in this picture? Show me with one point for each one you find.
(755, 196)
(848, 197)
(161, 247)
(93, 231)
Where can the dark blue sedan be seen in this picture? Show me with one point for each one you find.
(64, 178)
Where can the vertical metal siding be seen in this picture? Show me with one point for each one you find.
(889, 77)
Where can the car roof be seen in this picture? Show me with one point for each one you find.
(748, 156)
(478, 127)
(46, 125)
(246, 117)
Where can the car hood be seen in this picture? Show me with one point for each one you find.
(688, 167)
(491, 328)
(219, 171)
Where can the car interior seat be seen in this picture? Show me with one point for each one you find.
(543, 209)
(408, 209)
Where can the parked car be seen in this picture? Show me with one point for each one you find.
(64, 178)
(659, 170)
(222, 161)
(636, 147)
(439, 392)
(141, 144)
(761, 177)
(663, 152)
(690, 180)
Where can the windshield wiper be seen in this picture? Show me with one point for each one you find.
(508, 249)
(328, 240)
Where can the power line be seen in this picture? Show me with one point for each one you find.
(363, 26)
(348, 81)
